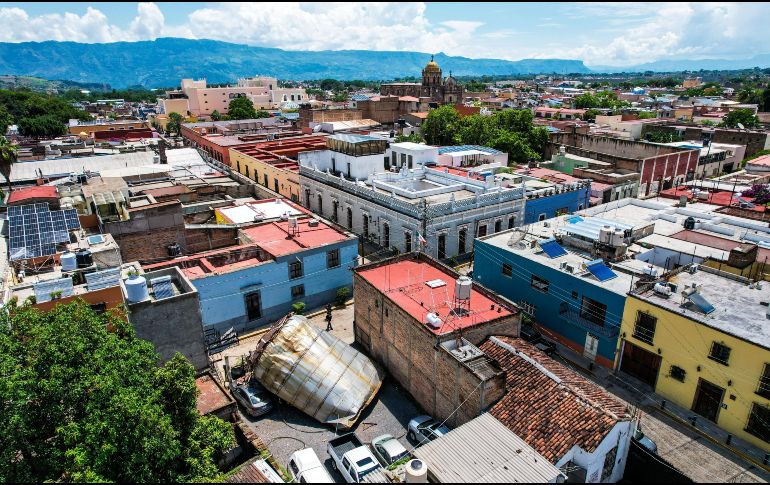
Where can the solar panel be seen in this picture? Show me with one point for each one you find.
(551, 248)
(34, 230)
(574, 219)
(103, 279)
(701, 303)
(162, 287)
(600, 270)
(44, 289)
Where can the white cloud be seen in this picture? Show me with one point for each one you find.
(615, 34)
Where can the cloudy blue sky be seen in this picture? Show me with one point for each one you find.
(607, 34)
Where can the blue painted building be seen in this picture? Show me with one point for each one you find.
(574, 298)
(256, 283)
(558, 202)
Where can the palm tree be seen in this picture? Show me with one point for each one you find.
(8, 157)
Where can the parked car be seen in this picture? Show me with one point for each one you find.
(645, 442)
(305, 467)
(388, 450)
(533, 336)
(355, 461)
(254, 399)
(424, 428)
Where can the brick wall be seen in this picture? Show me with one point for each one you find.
(151, 245)
(205, 239)
(410, 352)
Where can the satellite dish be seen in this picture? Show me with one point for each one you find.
(517, 235)
(740, 125)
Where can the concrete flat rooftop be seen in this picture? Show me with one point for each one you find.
(620, 284)
(263, 209)
(275, 239)
(405, 282)
(737, 308)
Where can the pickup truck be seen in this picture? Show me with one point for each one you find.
(355, 461)
(305, 467)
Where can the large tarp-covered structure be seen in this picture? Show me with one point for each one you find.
(315, 372)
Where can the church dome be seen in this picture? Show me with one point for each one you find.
(432, 66)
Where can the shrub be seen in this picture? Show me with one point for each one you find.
(342, 295)
(298, 308)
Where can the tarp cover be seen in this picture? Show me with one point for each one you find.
(316, 372)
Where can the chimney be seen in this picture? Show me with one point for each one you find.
(162, 151)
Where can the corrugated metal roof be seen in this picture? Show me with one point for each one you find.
(484, 450)
(44, 289)
(103, 279)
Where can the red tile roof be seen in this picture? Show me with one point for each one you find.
(41, 192)
(551, 413)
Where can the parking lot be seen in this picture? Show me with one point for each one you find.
(285, 429)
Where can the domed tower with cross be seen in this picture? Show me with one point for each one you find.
(431, 74)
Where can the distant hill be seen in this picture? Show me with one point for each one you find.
(163, 62)
(760, 60)
(47, 85)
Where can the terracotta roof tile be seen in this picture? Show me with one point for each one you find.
(551, 416)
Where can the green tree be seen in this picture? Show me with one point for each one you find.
(440, 125)
(643, 115)
(764, 104)
(744, 116)
(44, 126)
(414, 138)
(216, 115)
(516, 146)
(83, 399)
(590, 114)
(261, 114)
(6, 120)
(8, 154)
(241, 109)
(174, 124)
(331, 85)
(475, 130)
(339, 97)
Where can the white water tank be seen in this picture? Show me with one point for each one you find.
(662, 289)
(618, 237)
(651, 270)
(463, 287)
(605, 235)
(416, 472)
(136, 289)
(433, 320)
(68, 262)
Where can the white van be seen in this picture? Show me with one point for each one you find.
(305, 467)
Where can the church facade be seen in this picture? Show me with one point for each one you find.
(434, 87)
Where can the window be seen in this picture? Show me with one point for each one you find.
(253, 305)
(335, 206)
(511, 222)
(593, 311)
(385, 235)
(349, 170)
(527, 308)
(507, 270)
(297, 291)
(387, 163)
(677, 373)
(720, 353)
(410, 161)
(366, 226)
(482, 230)
(759, 422)
(295, 269)
(238, 165)
(574, 295)
(498, 226)
(350, 218)
(539, 284)
(644, 329)
(266, 182)
(442, 246)
(320, 205)
(307, 198)
(408, 242)
(333, 258)
(764, 382)
(275, 184)
(461, 241)
(294, 469)
(541, 217)
(562, 211)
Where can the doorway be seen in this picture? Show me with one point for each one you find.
(253, 305)
(640, 363)
(708, 400)
(591, 347)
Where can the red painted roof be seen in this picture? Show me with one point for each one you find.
(274, 237)
(719, 197)
(551, 416)
(404, 282)
(710, 241)
(763, 160)
(41, 192)
(548, 174)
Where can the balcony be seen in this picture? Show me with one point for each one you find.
(572, 315)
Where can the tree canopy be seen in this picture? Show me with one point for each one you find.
(744, 116)
(174, 124)
(241, 109)
(603, 99)
(83, 399)
(510, 131)
(37, 114)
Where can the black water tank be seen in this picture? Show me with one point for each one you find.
(174, 249)
(84, 258)
(689, 223)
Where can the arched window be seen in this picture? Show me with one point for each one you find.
(320, 205)
(350, 218)
(385, 235)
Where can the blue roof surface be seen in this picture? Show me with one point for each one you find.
(462, 148)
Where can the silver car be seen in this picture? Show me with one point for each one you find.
(254, 399)
(423, 429)
(388, 450)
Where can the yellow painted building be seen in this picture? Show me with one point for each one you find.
(704, 348)
(277, 174)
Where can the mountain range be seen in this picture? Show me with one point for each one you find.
(165, 61)
(670, 65)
